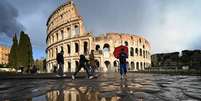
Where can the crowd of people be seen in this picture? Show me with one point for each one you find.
(89, 65)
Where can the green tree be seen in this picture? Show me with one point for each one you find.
(13, 53)
(25, 57)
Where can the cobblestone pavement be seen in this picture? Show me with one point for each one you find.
(107, 87)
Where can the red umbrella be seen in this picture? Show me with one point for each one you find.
(118, 49)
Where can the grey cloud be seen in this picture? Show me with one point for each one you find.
(8, 23)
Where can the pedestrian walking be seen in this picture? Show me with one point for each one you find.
(122, 60)
(82, 64)
(60, 62)
(92, 63)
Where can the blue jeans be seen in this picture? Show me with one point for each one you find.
(123, 69)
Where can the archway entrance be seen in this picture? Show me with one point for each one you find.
(108, 66)
(85, 47)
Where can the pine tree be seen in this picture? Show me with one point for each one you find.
(29, 50)
(25, 51)
(13, 53)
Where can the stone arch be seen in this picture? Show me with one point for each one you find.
(52, 52)
(115, 64)
(106, 47)
(69, 32)
(107, 64)
(53, 38)
(76, 47)
(97, 47)
(85, 47)
(69, 66)
(69, 50)
(140, 52)
(57, 37)
(61, 48)
(56, 51)
(126, 43)
(141, 65)
(131, 51)
(136, 51)
(76, 65)
(77, 30)
(62, 34)
(137, 65)
(132, 65)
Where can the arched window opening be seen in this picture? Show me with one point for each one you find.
(69, 67)
(136, 51)
(62, 34)
(68, 47)
(143, 53)
(106, 47)
(141, 66)
(140, 52)
(62, 49)
(57, 37)
(140, 40)
(76, 47)
(126, 43)
(68, 32)
(115, 63)
(56, 51)
(97, 47)
(52, 52)
(77, 30)
(131, 51)
(52, 38)
(137, 65)
(107, 63)
(85, 47)
(132, 66)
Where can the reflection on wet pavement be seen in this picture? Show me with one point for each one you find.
(108, 87)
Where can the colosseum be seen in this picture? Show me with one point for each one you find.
(65, 30)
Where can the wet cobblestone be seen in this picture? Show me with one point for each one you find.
(107, 87)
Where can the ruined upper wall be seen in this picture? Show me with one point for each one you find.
(63, 15)
(122, 37)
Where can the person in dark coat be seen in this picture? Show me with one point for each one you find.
(34, 69)
(122, 60)
(60, 62)
(82, 64)
(92, 62)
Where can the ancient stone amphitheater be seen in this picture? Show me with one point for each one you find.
(65, 30)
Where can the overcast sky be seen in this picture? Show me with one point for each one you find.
(169, 25)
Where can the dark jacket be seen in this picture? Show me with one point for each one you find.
(60, 58)
(92, 60)
(82, 60)
(122, 57)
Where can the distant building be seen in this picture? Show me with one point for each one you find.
(191, 58)
(168, 60)
(65, 30)
(4, 54)
(188, 58)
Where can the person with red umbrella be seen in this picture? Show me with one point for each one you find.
(121, 53)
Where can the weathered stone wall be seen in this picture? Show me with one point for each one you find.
(65, 29)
